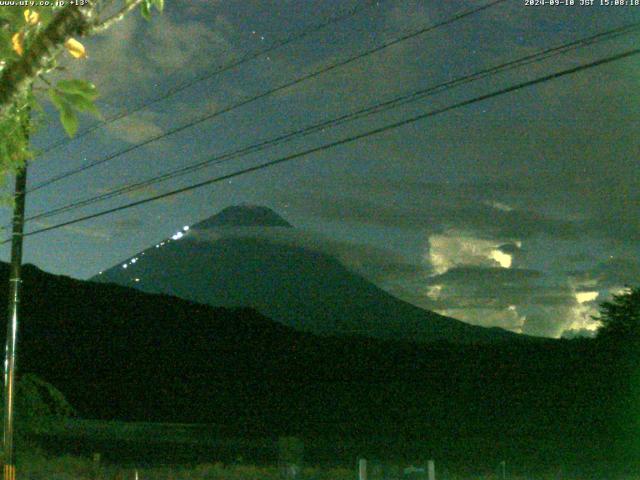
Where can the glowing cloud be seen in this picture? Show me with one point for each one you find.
(581, 315)
(584, 297)
(434, 291)
(500, 206)
(503, 259)
(455, 249)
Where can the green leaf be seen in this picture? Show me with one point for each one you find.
(5, 46)
(69, 121)
(82, 104)
(78, 87)
(14, 16)
(159, 4)
(75, 94)
(46, 13)
(68, 116)
(56, 99)
(145, 9)
(35, 105)
(4, 153)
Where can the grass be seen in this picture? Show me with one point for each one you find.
(37, 466)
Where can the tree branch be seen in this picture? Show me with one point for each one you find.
(18, 75)
(115, 18)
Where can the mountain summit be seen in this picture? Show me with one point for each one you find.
(245, 216)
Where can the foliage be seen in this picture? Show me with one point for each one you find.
(146, 5)
(620, 318)
(34, 466)
(38, 405)
(290, 450)
(20, 30)
(71, 96)
(38, 466)
(14, 133)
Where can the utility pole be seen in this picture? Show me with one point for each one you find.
(15, 282)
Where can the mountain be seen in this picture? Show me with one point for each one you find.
(157, 357)
(247, 257)
(245, 216)
(118, 353)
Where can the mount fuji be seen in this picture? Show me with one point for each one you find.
(240, 258)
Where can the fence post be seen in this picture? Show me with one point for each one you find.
(431, 467)
(362, 469)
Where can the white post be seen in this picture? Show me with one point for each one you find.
(362, 469)
(432, 470)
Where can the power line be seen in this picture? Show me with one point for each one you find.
(343, 141)
(221, 69)
(361, 113)
(267, 93)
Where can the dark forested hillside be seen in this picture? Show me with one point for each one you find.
(120, 353)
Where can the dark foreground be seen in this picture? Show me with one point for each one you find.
(118, 354)
(172, 451)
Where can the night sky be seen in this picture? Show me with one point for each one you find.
(522, 211)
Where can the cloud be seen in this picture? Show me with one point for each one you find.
(495, 276)
(556, 209)
(454, 248)
(77, 229)
(130, 224)
(477, 232)
(136, 52)
(523, 300)
(510, 248)
(375, 76)
(136, 129)
(180, 45)
(431, 207)
(612, 274)
(377, 264)
(499, 206)
(136, 62)
(487, 288)
(542, 304)
(507, 318)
